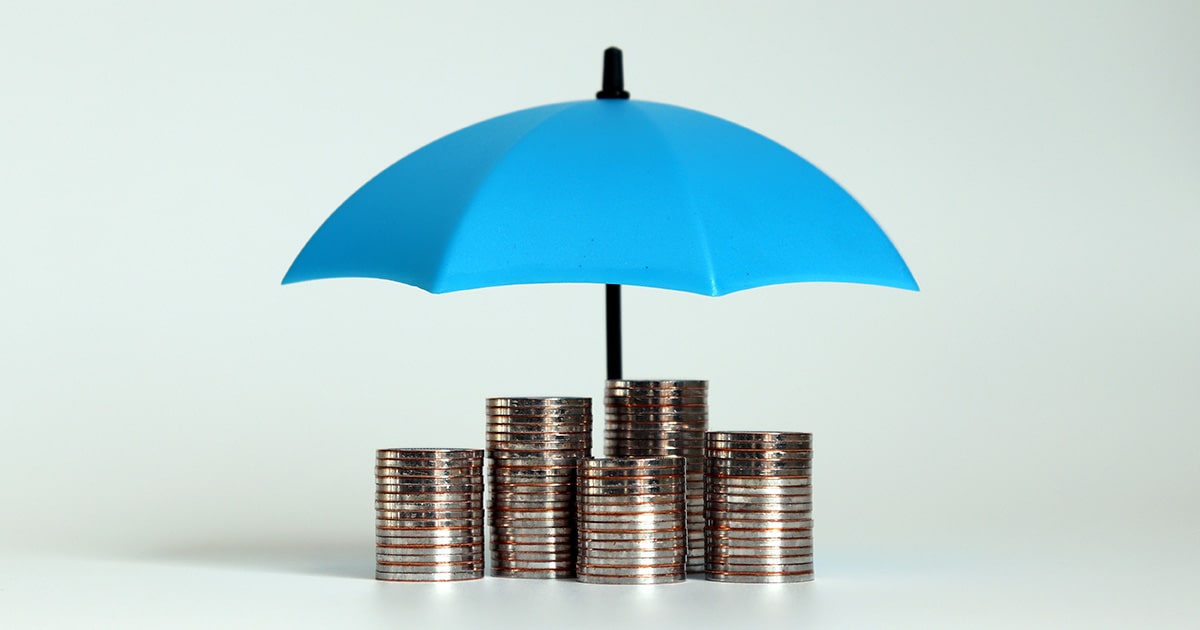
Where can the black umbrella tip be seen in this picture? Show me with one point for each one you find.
(613, 85)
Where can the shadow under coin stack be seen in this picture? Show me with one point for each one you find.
(428, 514)
(759, 507)
(632, 518)
(661, 419)
(533, 445)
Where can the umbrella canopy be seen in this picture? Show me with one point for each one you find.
(612, 191)
(603, 191)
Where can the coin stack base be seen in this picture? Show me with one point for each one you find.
(533, 445)
(758, 507)
(428, 515)
(632, 521)
(663, 419)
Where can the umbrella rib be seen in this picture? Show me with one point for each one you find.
(686, 191)
(451, 242)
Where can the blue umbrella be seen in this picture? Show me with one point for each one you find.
(611, 191)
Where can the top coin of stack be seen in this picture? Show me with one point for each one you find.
(663, 419)
(759, 506)
(428, 514)
(532, 447)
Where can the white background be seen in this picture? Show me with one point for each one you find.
(185, 442)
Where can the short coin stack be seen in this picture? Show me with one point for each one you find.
(428, 514)
(533, 445)
(660, 419)
(759, 507)
(632, 520)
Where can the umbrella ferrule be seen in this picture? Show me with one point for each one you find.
(613, 85)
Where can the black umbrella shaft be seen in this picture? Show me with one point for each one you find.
(612, 316)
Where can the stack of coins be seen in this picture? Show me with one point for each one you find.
(533, 445)
(759, 507)
(632, 520)
(662, 419)
(428, 514)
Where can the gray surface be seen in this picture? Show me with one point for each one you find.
(1034, 161)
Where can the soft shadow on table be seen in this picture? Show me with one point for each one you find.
(345, 560)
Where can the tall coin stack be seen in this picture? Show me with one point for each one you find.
(428, 514)
(632, 519)
(661, 419)
(759, 507)
(533, 445)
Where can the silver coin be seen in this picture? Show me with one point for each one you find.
(759, 501)
(632, 557)
(716, 513)
(532, 505)
(601, 579)
(798, 525)
(594, 528)
(755, 456)
(517, 475)
(533, 574)
(549, 458)
(516, 401)
(636, 544)
(387, 469)
(756, 570)
(502, 562)
(628, 566)
(426, 453)
(513, 530)
(762, 437)
(531, 555)
(497, 441)
(763, 481)
(509, 513)
(735, 447)
(427, 556)
(629, 571)
(779, 561)
(692, 383)
(636, 552)
(675, 500)
(577, 439)
(562, 506)
(619, 512)
(627, 463)
(746, 547)
(715, 469)
(445, 576)
(563, 518)
(674, 484)
(526, 492)
(448, 533)
(558, 429)
(759, 579)
(660, 533)
(439, 487)
(761, 544)
(532, 543)
(534, 550)
(599, 521)
(656, 423)
(388, 491)
(714, 534)
(428, 514)
(401, 503)
(754, 563)
(420, 567)
(719, 491)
